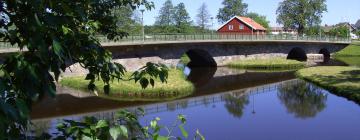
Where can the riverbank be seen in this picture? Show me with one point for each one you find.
(352, 50)
(176, 87)
(342, 81)
(272, 63)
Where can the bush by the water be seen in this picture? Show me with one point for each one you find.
(177, 86)
(271, 63)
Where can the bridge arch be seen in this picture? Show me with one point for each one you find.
(297, 54)
(326, 53)
(200, 58)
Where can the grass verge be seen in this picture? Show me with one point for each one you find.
(351, 50)
(273, 63)
(342, 81)
(350, 60)
(176, 87)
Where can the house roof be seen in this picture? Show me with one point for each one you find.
(281, 29)
(357, 24)
(248, 21)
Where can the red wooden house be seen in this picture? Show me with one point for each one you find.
(241, 25)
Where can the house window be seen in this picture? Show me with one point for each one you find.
(241, 27)
(231, 27)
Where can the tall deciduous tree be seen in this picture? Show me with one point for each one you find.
(127, 20)
(231, 8)
(300, 14)
(181, 18)
(203, 17)
(259, 19)
(165, 14)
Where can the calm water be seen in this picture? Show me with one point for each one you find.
(231, 104)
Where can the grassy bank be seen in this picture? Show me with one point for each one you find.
(350, 60)
(176, 87)
(273, 63)
(351, 50)
(342, 81)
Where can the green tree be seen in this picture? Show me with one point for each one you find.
(300, 14)
(181, 18)
(54, 34)
(231, 8)
(203, 17)
(165, 14)
(259, 19)
(127, 20)
(339, 31)
(314, 30)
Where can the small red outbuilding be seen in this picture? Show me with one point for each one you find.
(241, 25)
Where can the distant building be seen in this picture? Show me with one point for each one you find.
(281, 30)
(327, 28)
(357, 24)
(241, 25)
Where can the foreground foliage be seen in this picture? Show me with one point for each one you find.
(273, 63)
(176, 86)
(55, 34)
(343, 81)
(125, 126)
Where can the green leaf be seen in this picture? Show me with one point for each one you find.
(115, 132)
(144, 82)
(152, 82)
(183, 131)
(153, 123)
(23, 109)
(56, 47)
(101, 124)
(162, 138)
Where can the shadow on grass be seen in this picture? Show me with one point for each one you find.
(337, 84)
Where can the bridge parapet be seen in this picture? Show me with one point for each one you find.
(191, 38)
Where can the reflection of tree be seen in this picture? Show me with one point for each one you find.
(236, 102)
(302, 99)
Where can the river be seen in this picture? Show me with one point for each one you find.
(228, 104)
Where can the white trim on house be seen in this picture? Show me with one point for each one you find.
(238, 19)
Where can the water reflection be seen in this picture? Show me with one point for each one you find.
(236, 102)
(302, 99)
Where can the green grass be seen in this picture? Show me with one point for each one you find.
(350, 60)
(351, 50)
(272, 63)
(176, 87)
(185, 59)
(342, 81)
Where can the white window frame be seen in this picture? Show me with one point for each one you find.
(231, 27)
(241, 27)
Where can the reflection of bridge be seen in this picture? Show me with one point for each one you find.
(205, 80)
(211, 99)
(192, 102)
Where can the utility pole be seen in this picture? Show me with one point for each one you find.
(142, 24)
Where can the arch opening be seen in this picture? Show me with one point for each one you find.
(326, 54)
(297, 54)
(200, 58)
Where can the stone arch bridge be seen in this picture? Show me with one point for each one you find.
(218, 53)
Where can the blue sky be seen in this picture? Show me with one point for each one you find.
(338, 10)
